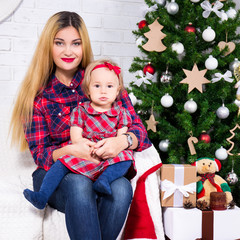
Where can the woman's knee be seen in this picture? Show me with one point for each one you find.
(122, 189)
(78, 187)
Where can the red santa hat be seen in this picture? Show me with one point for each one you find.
(139, 223)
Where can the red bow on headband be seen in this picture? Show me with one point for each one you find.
(116, 69)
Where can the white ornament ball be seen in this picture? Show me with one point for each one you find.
(195, 1)
(234, 64)
(163, 145)
(211, 63)
(190, 106)
(221, 153)
(167, 100)
(208, 34)
(172, 7)
(133, 98)
(231, 12)
(178, 47)
(224, 16)
(161, 2)
(222, 112)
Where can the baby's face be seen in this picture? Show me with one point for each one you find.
(103, 89)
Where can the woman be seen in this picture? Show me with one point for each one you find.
(48, 94)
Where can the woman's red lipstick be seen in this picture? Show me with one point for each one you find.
(68, 59)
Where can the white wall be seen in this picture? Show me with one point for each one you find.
(110, 24)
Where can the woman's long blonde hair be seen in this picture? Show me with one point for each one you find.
(40, 69)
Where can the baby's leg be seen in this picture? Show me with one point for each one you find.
(50, 182)
(112, 172)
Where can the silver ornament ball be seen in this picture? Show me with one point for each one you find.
(231, 178)
(222, 112)
(163, 145)
(172, 8)
(234, 64)
(166, 77)
(190, 106)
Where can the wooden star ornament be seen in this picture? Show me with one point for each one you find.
(195, 78)
(151, 123)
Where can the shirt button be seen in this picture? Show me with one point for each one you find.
(60, 114)
(71, 84)
(80, 102)
(73, 90)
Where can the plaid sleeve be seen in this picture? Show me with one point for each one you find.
(39, 141)
(125, 119)
(76, 118)
(137, 127)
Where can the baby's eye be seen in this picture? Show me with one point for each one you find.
(210, 163)
(96, 85)
(203, 164)
(110, 86)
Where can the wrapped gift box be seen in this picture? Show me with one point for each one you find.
(178, 184)
(186, 224)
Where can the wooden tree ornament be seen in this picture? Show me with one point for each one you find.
(154, 36)
(232, 143)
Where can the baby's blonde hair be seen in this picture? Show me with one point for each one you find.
(89, 69)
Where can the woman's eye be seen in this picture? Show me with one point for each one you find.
(59, 43)
(77, 43)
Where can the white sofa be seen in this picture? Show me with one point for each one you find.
(20, 220)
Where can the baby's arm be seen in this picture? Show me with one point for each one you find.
(76, 134)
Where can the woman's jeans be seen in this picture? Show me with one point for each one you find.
(89, 216)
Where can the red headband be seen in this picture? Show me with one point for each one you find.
(116, 69)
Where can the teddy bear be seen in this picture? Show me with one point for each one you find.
(208, 181)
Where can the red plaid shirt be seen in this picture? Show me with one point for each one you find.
(51, 114)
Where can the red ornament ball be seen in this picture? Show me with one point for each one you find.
(190, 28)
(149, 68)
(204, 137)
(142, 24)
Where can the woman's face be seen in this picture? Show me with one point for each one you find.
(67, 50)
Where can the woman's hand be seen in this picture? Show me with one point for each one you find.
(110, 147)
(81, 149)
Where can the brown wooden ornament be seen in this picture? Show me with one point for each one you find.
(195, 78)
(154, 36)
(230, 47)
(232, 131)
(192, 140)
(151, 123)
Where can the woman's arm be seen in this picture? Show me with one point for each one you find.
(137, 128)
(44, 151)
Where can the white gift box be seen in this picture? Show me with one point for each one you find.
(186, 224)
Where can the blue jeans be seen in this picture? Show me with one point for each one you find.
(89, 216)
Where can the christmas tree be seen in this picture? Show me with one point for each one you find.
(187, 81)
